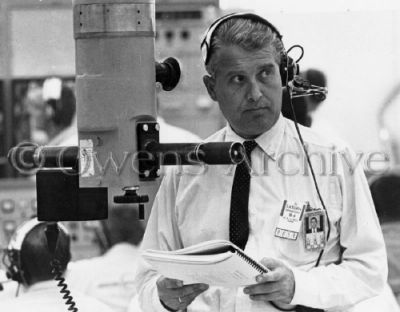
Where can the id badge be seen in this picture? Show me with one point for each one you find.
(314, 229)
(290, 218)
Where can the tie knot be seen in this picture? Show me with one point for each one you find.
(249, 146)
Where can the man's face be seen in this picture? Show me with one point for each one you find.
(313, 223)
(247, 86)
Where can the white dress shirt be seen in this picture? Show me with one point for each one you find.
(9, 286)
(173, 134)
(384, 302)
(109, 278)
(193, 205)
(46, 297)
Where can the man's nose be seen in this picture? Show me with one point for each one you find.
(254, 93)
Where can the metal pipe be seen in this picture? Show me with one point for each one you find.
(40, 157)
(213, 153)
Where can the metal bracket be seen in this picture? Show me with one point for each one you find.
(149, 164)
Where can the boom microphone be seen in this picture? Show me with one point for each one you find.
(301, 87)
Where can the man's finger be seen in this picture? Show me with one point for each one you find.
(171, 283)
(264, 288)
(267, 297)
(189, 298)
(184, 290)
(271, 276)
(271, 263)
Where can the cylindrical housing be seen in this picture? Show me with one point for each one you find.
(26, 158)
(115, 83)
(213, 153)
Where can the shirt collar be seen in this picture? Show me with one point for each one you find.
(51, 284)
(270, 141)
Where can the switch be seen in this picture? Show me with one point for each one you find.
(10, 226)
(7, 206)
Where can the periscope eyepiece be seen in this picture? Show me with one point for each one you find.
(168, 73)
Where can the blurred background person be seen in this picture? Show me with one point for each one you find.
(60, 110)
(173, 134)
(29, 262)
(33, 108)
(306, 107)
(168, 133)
(110, 277)
(385, 191)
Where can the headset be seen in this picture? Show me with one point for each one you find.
(12, 255)
(288, 68)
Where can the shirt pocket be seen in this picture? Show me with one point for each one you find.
(294, 251)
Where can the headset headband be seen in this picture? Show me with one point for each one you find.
(206, 42)
(23, 230)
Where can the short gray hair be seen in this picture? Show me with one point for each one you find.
(248, 34)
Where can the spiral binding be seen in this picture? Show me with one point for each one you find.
(57, 272)
(250, 261)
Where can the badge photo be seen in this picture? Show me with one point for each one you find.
(314, 230)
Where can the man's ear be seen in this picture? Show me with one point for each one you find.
(209, 82)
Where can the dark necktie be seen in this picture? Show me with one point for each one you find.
(239, 216)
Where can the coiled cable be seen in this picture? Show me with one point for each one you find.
(57, 272)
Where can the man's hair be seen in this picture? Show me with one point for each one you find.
(36, 258)
(387, 202)
(248, 34)
(123, 225)
(314, 218)
(63, 108)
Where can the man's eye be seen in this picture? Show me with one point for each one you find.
(266, 73)
(237, 79)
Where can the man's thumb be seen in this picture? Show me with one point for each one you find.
(270, 263)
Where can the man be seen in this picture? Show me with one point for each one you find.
(60, 107)
(110, 277)
(314, 224)
(247, 64)
(314, 235)
(29, 263)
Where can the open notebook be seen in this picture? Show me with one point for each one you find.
(215, 262)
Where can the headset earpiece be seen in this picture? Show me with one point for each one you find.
(13, 267)
(288, 69)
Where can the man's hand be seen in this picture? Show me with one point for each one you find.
(177, 296)
(276, 285)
